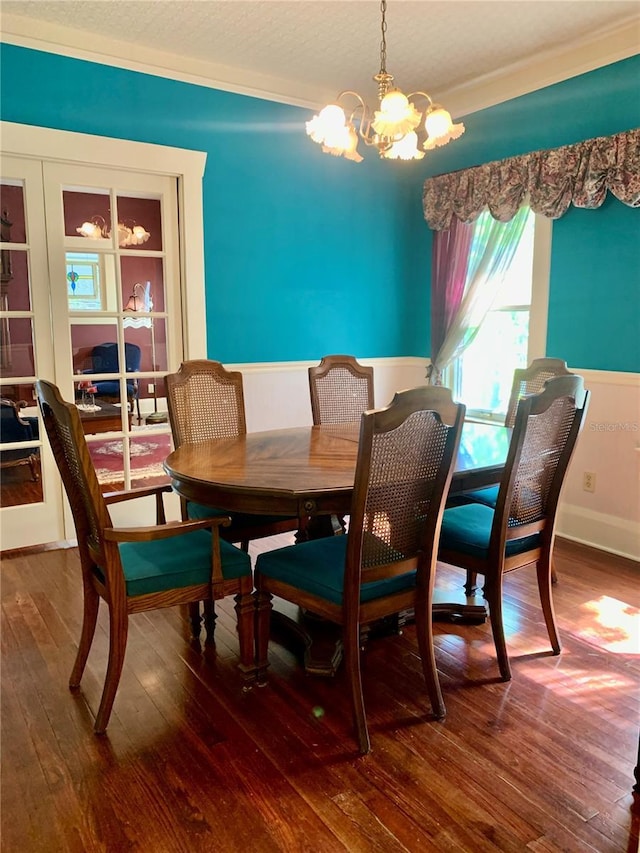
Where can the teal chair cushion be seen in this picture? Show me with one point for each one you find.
(467, 529)
(241, 519)
(318, 567)
(177, 562)
(199, 511)
(488, 497)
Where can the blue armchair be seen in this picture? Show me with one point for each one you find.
(104, 358)
(15, 428)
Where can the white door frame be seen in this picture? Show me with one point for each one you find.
(45, 144)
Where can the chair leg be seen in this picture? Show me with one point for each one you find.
(544, 574)
(89, 619)
(195, 619)
(118, 630)
(209, 620)
(424, 631)
(263, 631)
(351, 639)
(244, 546)
(554, 575)
(493, 594)
(470, 585)
(246, 613)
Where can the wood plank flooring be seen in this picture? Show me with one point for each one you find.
(191, 763)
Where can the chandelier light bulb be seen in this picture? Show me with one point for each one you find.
(440, 128)
(140, 234)
(87, 229)
(394, 105)
(405, 148)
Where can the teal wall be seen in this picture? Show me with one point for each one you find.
(307, 254)
(304, 253)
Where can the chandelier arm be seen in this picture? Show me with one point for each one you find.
(423, 94)
(364, 119)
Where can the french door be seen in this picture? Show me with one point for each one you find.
(90, 300)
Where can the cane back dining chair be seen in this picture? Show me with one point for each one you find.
(341, 390)
(386, 562)
(526, 381)
(138, 569)
(519, 531)
(207, 401)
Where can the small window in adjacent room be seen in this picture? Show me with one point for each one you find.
(84, 282)
(514, 329)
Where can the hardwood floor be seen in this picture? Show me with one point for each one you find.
(190, 763)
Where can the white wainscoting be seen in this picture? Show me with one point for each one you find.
(277, 395)
(609, 447)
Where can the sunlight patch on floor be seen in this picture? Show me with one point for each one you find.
(567, 680)
(615, 625)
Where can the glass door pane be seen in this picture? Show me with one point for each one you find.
(117, 293)
(30, 492)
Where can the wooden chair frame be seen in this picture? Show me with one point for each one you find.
(497, 563)
(323, 413)
(353, 614)
(530, 380)
(190, 424)
(98, 547)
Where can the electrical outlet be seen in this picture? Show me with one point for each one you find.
(151, 388)
(589, 481)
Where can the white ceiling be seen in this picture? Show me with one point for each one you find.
(306, 51)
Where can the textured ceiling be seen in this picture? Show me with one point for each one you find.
(330, 45)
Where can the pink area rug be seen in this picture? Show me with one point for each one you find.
(146, 456)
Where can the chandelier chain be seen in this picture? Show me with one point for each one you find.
(383, 43)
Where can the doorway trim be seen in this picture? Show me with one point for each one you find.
(187, 166)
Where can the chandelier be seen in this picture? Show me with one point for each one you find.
(395, 125)
(130, 234)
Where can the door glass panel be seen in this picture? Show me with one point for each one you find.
(17, 346)
(21, 481)
(146, 456)
(12, 209)
(14, 280)
(139, 223)
(119, 287)
(91, 281)
(108, 459)
(100, 406)
(140, 276)
(87, 214)
(152, 342)
(87, 335)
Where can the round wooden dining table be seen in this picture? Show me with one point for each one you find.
(308, 472)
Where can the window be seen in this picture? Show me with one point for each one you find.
(84, 282)
(513, 332)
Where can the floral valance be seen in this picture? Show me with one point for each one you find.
(577, 174)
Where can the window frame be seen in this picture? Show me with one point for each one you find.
(538, 313)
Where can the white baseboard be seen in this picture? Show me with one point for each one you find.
(619, 536)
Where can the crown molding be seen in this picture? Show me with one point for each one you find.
(78, 44)
(546, 68)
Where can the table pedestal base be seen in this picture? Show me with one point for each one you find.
(321, 640)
